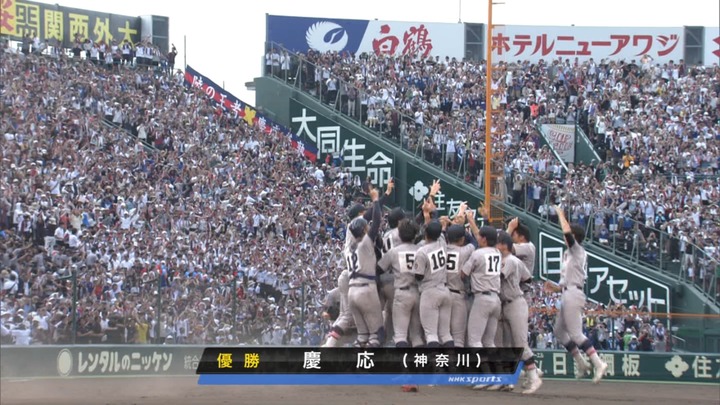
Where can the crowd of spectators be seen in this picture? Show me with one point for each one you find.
(110, 54)
(655, 127)
(216, 225)
(165, 219)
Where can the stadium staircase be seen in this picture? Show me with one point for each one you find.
(273, 94)
(111, 125)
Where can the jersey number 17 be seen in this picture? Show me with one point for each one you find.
(492, 263)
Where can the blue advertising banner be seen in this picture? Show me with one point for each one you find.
(299, 34)
(394, 38)
(359, 379)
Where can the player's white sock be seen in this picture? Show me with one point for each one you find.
(532, 374)
(595, 359)
(579, 359)
(331, 342)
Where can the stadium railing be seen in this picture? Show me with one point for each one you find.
(648, 245)
(301, 76)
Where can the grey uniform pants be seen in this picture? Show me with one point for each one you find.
(406, 316)
(364, 304)
(387, 292)
(435, 311)
(503, 334)
(515, 315)
(483, 321)
(568, 324)
(458, 318)
(345, 322)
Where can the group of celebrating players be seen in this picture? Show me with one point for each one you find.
(434, 281)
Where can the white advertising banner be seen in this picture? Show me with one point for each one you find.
(562, 139)
(412, 38)
(712, 46)
(512, 43)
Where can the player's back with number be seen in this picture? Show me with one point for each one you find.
(457, 256)
(430, 269)
(391, 238)
(430, 262)
(400, 261)
(483, 267)
(361, 260)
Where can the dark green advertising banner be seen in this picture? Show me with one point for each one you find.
(639, 366)
(448, 200)
(64, 24)
(360, 156)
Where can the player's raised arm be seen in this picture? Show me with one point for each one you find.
(388, 192)
(428, 208)
(512, 225)
(435, 188)
(565, 226)
(376, 214)
(484, 212)
(473, 226)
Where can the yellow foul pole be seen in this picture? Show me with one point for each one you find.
(488, 113)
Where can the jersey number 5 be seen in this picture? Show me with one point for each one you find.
(352, 262)
(438, 259)
(407, 260)
(452, 262)
(493, 264)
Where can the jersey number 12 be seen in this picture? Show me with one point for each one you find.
(352, 262)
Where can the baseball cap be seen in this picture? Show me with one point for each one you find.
(355, 211)
(489, 233)
(504, 238)
(433, 229)
(455, 233)
(396, 215)
(357, 227)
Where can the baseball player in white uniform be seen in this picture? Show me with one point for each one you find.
(343, 327)
(430, 271)
(523, 249)
(515, 309)
(483, 268)
(568, 323)
(390, 239)
(406, 299)
(363, 298)
(458, 253)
